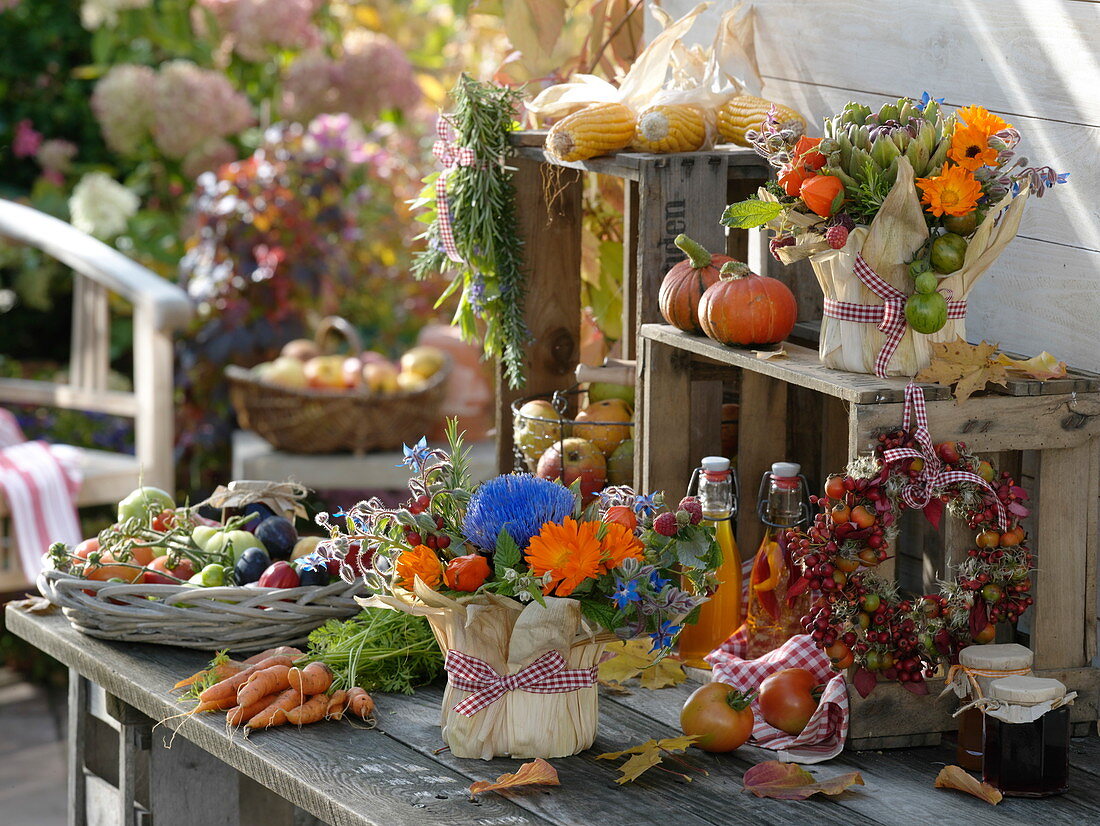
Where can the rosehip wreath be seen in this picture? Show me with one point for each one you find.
(859, 617)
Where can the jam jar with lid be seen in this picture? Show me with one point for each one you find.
(1026, 745)
(980, 665)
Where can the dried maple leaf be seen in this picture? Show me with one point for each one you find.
(789, 781)
(1042, 367)
(770, 355)
(649, 754)
(536, 773)
(954, 777)
(633, 659)
(970, 367)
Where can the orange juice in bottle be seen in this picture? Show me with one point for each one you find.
(720, 615)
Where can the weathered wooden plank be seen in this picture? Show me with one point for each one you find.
(705, 425)
(662, 456)
(551, 233)
(801, 367)
(628, 344)
(48, 394)
(89, 351)
(76, 784)
(341, 774)
(1062, 609)
(762, 440)
(991, 423)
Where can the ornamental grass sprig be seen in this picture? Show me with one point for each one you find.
(481, 200)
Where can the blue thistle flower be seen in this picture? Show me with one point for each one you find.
(519, 502)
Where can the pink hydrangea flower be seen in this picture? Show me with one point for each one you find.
(56, 155)
(208, 156)
(26, 140)
(258, 26)
(193, 105)
(123, 104)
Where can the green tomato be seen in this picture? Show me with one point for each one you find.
(145, 503)
(918, 266)
(211, 576)
(926, 313)
(926, 283)
(948, 253)
(240, 541)
(202, 534)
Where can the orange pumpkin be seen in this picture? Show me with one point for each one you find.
(745, 309)
(685, 284)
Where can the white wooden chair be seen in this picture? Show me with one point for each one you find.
(159, 308)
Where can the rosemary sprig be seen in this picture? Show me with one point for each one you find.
(481, 198)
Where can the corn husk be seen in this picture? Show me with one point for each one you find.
(510, 636)
(887, 245)
(668, 72)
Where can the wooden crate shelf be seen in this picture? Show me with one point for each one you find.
(1054, 425)
(664, 195)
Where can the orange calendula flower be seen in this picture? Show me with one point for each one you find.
(955, 191)
(970, 148)
(421, 562)
(569, 552)
(619, 544)
(977, 117)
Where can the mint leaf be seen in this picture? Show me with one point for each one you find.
(750, 213)
(601, 612)
(507, 553)
(692, 550)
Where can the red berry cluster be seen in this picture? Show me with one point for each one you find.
(859, 618)
(435, 541)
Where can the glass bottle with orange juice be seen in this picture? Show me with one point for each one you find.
(771, 617)
(720, 615)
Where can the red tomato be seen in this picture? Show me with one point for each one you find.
(86, 547)
(110, 569)
(787, 699)
(279, 575)
(144, 556)
(158, 567)
(164, 520)
(721, 714)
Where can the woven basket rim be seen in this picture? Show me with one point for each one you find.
(243, 375)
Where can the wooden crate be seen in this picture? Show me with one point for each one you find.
(664, 196)
(1054, 424)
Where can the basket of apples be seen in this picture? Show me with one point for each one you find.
(310, 401)
(167, 574)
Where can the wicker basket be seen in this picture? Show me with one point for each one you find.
(308, 420)
(209, 619)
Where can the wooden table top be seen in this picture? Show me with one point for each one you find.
(392, 776)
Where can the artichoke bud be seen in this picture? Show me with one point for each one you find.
(918, 157)
(891, 173)
(901, 138)
(931, 110)
(884, 151)
(889, 111)
(849, 182)
(856, 113)
(862, 138)
(860, 159)
(845, 151)
(828, 146)
(939, 157)
(926, 137)
(907, 110)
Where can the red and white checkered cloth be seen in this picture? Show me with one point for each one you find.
(889, 316)
(451, 156)
(546, 675)
(823, 737)
(39, 482)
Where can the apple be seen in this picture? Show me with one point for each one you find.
(425, 361)
(373, 357)
(381, 377)
(575, 459)
(599, 391)
(284, 371)
(606, 424)
(410, 382)
(325, 372)
(300, 349)
(532, 435)
(353, 372)
(305, 546)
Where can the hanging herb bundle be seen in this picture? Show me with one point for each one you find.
(480, 200)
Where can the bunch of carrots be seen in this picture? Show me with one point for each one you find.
(269, 690)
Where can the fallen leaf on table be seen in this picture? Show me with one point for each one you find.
(768, 355)
(954, 777)
(789, 781)
(1042, 367)
(536, 773)
(970, 367)
(633, 659)
(33, 605)
(651, 753)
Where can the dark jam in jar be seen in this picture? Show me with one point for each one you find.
(1028, 759)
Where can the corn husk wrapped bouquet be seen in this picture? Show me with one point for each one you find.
(899, 212)
(523, 585)
(673, 99)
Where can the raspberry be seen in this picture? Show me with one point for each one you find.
(836, 237)
(693, 507)
(665, 524)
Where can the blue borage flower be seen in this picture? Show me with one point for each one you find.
(519, 502)
(312, 562)
(626, 593)
(645, 504)
(657, 583)
(664, 635)
(415, 456)
(925, 99)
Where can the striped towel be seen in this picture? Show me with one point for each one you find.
(39, 482)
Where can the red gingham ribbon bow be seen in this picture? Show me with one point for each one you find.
(889, 316)
(451, 156)
(918, 493)
(546, 675)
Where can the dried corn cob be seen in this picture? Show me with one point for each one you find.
(595, 130)
(676, 127)
(745, 112)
